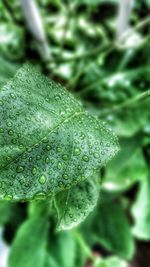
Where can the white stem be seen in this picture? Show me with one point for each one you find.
(125, 7)
(34, 23)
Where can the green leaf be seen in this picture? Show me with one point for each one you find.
(110, 228)
(129, 166)
(62, 250)
(141, 211)
(113, 90)
(75, 204)
(6, 211)
(47, 141)
(7, 70)
(29, 246)
(111, 262)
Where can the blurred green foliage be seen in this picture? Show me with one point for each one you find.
(107, 79)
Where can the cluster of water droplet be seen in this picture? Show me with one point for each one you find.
(76, 203)
(47, 143)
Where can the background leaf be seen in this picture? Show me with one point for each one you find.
(60, 245)
(129, 165)
(112, 262)
(29, 246)
(110, 228)
(141, 211)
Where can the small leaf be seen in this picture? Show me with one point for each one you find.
(75, 204)
(29, 246)
(141, 211)
(47, 141)
(110, 228)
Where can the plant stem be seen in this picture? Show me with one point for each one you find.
(139, 25)
(84, 246)
(107, 48)
(127, 103)
(35, 25)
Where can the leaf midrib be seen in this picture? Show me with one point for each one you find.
(76, 114)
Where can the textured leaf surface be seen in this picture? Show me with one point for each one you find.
(110, 228)
(47, 141)
(29, 246)
(141, 211)
(75, 204)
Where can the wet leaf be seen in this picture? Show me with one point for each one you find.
(47, 141)
(75, 204)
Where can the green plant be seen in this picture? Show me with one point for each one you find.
(62, 203)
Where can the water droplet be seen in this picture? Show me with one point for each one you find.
(9, 124)
(57, 97)
(20, 169)
(47, 160)
(65, 157)
(1, 103)
(34, 170)
(1, 130)
(65, 176)
(40, 195)
(77, 151)
(96, 155)
(8, 197)
(42, 179)
(59, 165)
(45, 140)
(85, 158)
(48, 147)
(38, 157)
(10, 132)
(58, 149)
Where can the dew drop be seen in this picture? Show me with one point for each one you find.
(42, 179)
(65, 176)
(77, 152)
(96, 155)
(65, 157)
(47, 160)
(34, 170)
(8, 197)
(9, 124)
(59, 165)
(85, 158)
(20, 169)
(58, 149)
(48, 147)
(38, 157)
(10, 132)
(57, 97)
